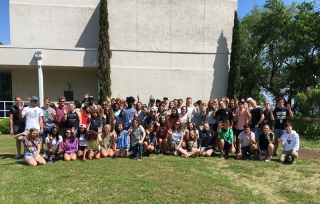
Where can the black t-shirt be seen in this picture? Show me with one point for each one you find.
(14, 110)
(256, 114)
(281, 115)
(263, 141)
(224, 114)
(207, 138)
(72, 120)
(267, 116)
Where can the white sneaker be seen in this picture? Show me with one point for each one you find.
(17, 156)
(268, 159)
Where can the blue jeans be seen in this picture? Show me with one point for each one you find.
(257, 132)
(17, 129)
(135, 149)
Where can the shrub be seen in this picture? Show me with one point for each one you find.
(5, 126)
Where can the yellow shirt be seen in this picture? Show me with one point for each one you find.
(94, 144)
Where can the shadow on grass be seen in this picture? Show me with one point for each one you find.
(13, 161)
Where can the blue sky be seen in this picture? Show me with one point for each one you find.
(244, 7)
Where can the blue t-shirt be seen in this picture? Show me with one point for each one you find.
(122, 140)
(176, 136)
(128, 116)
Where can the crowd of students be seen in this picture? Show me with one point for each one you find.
(120, 127)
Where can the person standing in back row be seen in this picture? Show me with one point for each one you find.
(17, 125)
(61, 110)
(257, 118)
(281, 115)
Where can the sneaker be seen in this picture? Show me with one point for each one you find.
(275, 154)
(251, 157)
(17, 156)
(139, 159)
(268, 159)
(221, 156)
(147, 154)
(294, 161)
(44, 155)
(171, 153)
(164, 152)
(50, 159)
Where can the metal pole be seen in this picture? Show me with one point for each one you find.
(40, 80)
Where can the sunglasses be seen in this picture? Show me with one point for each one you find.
(62, 101)
(104, 104)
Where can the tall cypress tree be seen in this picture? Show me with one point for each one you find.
(104, 69)
(234, 83)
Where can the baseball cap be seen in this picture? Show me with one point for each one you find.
(91, 97)
(34, 98)
(152, 100)
(249, 99)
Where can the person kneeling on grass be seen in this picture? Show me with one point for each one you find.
(81, 136)
(121, 141)
(93, 142)
(290, 143)
(69, 145)
(246, 143)
(109, 147)
(226, 139)
(193, 145)
(149, 140)
(137, 135)
(53, 141)
(31, 141)
(266, 144)
(207, 137)
(175, 137)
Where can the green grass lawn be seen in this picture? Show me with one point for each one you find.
(157, 179)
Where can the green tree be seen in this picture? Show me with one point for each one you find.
(234, 83)
(1, 43)
(104, 69)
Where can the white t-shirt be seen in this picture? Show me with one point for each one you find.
(54, 142)
(245, 138)
(82, 140)
(32, 115)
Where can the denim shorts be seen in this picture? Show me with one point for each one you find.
(18, 129)
(45, 132)
(278, 133)
(28, 155)
(257, 132)
(205, 149)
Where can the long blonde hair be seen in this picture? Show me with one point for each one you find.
(29, 136)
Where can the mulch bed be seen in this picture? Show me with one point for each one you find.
(306, 153)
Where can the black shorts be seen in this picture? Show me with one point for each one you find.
(81, 148)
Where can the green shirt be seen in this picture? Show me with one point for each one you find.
(226, 135)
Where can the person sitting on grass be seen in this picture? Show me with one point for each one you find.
(109, 147)
(193, 145)
(93, 142)
(137, 135)
(31, 141)
(69, 145)
(175, 138)
(53, 141)
(290, 143)
(246, 143)
(149, 140)
(207, 137)
(266, 144)
(226, 139)
(121, 141)
(81, 135)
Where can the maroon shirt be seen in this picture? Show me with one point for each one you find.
(60, 113)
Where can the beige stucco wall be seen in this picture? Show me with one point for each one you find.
(54, 23)
(81, 81)
(174, 48)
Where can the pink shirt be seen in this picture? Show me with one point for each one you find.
(242, 118)
(60, 114)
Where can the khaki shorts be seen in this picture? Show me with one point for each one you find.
(285, 155)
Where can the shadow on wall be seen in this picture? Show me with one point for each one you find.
(90, 35)
(221, 69)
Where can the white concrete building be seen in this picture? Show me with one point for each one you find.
(173, 48)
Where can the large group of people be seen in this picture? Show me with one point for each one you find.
(120, 127)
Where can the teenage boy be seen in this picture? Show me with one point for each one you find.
(281, 115)
(49, 116)
(290, 143)
(33, 115)
(226, 139)
(128, 113)
(247, 143)
(257, 118)
(17, 124)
